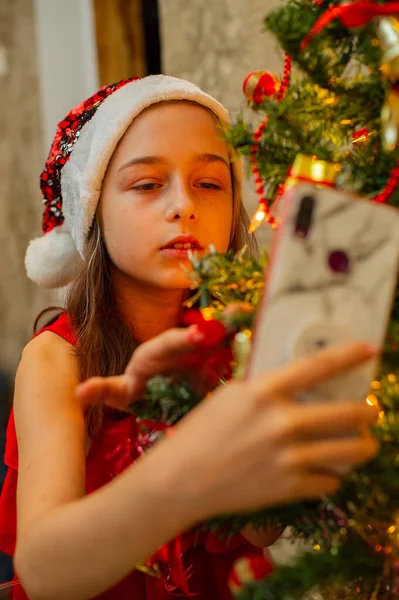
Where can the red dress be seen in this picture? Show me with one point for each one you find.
(205, 559)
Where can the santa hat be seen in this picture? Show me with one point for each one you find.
(75, 168)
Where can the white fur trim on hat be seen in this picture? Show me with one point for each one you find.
(83, 174)
(52, 260)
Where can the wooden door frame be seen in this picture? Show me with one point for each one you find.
(120, 38)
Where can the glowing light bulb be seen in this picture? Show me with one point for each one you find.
(257, 219)
(207, 312)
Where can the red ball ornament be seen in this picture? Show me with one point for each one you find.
(213, 330)
(260, 85)
(248, 569)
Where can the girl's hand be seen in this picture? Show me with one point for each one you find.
(176, 351)
(252, 445)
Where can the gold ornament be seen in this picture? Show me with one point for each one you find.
(390, 121)
(241, 351)
(313, 169)
(388, 35)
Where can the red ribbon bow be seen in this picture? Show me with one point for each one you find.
(355, 14)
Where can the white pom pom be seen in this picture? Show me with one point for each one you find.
(52, 261)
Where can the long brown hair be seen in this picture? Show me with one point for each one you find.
(105, 345)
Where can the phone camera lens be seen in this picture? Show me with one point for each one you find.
(339, 261)
(304, 217)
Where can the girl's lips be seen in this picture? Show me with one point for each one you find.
(180, 253)
(183, 242)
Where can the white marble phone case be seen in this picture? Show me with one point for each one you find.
(307, 305)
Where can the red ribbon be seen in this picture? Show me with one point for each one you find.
(171, 555)
(355, 14)
(153, 425)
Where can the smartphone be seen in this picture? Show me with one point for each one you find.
(332, 277)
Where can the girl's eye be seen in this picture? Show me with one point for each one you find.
(207, 185)
(146, 187)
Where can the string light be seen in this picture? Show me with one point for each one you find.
(372, 400)
(207, 312)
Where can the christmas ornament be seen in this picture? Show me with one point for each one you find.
(313, 169)
(310, 169)
(241, 352)
(260, 85)
(388, 35)
(248, 569)
(213, 330)
(360, 137)
(351, 15)
(390, 121)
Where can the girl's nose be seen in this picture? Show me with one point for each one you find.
(181, 203)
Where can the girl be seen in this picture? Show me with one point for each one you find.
(137, 175)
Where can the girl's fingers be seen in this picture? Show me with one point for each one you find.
(325, 454)
(164, 354)
(306, 372)
(238, 307)
(160, 354)
(328, 419)
(315, 485)
(114, 390)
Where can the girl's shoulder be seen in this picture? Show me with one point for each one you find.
(62, 326)
(51, 353)
(45, 385)
(51, 345)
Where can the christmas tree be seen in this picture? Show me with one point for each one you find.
(333, 119)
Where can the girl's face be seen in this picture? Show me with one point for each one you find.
(168, 188)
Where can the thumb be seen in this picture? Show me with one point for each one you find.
(118, 391)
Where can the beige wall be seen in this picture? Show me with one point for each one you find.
(20, 166)
(215, 44)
